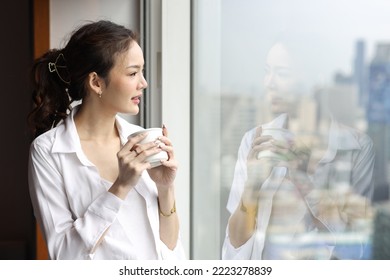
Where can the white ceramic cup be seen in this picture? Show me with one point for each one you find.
(279, 134)
(152, 136)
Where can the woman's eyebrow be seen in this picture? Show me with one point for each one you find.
(134, 66)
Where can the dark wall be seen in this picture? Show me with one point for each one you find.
(17, 229)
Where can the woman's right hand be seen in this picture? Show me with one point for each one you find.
(259, 169)
(132, 163)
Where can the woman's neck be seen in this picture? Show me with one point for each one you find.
(95, 125)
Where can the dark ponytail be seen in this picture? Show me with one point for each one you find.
(50, 92)
(59, 76)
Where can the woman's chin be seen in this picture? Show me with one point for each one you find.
(130, 111)
(277, 109)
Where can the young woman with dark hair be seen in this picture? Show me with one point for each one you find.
(94, 194)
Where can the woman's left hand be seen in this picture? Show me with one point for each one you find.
(165, 174)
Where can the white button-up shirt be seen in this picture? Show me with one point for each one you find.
(79, 217)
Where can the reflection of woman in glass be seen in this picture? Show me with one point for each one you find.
(296, 193)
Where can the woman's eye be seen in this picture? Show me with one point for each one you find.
(284, 73)
(133, 74)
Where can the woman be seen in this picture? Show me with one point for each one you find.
(294, 197)
(94, 194)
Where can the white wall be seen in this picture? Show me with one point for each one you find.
(65, 16)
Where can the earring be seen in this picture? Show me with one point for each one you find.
(100, 94)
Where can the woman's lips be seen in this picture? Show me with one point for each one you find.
(277, 101)
(136, 99)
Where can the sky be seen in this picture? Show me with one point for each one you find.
(248, 28)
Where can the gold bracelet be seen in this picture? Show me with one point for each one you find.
(173, 210)
(244, 209)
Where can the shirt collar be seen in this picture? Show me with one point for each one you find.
(340, 138)
(67, 139)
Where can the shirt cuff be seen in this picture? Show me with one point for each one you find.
(244, 252)
(98, 218)
(176, 254)
(106, 206)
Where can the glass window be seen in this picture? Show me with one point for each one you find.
(290, 119)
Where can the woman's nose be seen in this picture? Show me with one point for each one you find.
(269, 81)
(143, 83)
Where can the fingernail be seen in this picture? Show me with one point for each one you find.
(164, 130)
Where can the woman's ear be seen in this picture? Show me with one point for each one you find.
(95, 83)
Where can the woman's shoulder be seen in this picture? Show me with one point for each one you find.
(348, 133)
(46, 139)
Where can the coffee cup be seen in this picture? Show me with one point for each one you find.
(281, 135)
(152, 136)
